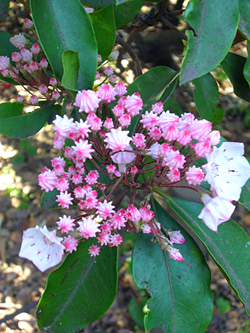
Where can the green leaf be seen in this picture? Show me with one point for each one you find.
(215, 24)
(80, 291)
(233, 66)
(16, 125)
(154, 86)
(181, 299)
(229, 247)
(244, 23)
(70, 63)
(48, 199)
(245, 193)
(65, 25)
(98, 3)
(125, 12)
(4, 7)
(206, 97)
(246, 69)
(103, 22)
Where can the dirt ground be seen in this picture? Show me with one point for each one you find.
(22, 284)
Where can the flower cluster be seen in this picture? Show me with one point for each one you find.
(115, 151)
(28, 66)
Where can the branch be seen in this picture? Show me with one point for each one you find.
(172, 27)
(132, 54)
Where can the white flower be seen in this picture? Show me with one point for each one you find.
(227, 170)
(42, 247)
(216, 211)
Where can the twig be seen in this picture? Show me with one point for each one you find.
(132, 54)
(172, 27)
(24, 309)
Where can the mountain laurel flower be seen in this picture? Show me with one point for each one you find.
(4, 62)
(133, 104)
(94, 250)
(176, 237)
(216, 211)
(42, 247)
(64, 199)
(227, 170)
(174, 254)
(194, 175)
(18, 41)
(70, 244)
(88, 227)
(35, 48)
(65, 224)
(47, 180)
(27, 24)
(87, 101)
(26, 55)
(117, 140)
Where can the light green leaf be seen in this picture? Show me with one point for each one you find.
(70, 63)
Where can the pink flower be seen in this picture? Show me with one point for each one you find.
(94, 250)
(115, 240)
(87, 101)
(194, 175)
(176, 237)
(63, 126)
(167, 119)
(174, 175)
(123, 158)
(43, 89)
(88, 227)
(227, 170)
(108, 71)
(106, 93)
(18, 41)
(20, 98)
(47, 180)
(92, 177)
(174, 160)
(105, 209)
(133, 104)
(70, 244)
(4, 62)
(64, 199)
(117, 140)
(216, 211)
(120, 89)
(52, 81)
(26, 55)
(153, 151)
(157, 108)
(82, 150)
(174, 254)
(27, 24)
(16, 56)
(35, 49)
(82, 129)
(42, 247)
(65, 224)
(149, 119)
(118, 220)
(55, 94)
(44, 64)
(200, 129)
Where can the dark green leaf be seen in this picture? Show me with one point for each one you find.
(48, 199)
(125, 12)
(233, 66)
(98, 3)
(16, 125)
(246, 69)
(70, 63)
(181, 299)
(212, 39)
(229, 247)
(154, 86)
(80, 291)
(65, 25)
(103, 22)
(244, 23)
(206, 97)
(4, 7)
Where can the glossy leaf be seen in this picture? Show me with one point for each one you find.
(65, 25)
(98, 3)
(6, 49)
(16, 125)
(4, 7)
(215, 24)
(125, 12)
(173, 285)
(80, 291)
(48, 200)
(103, 22)
(206, 97)
(244, 23)
(233, 66)
(229, 247)
(70, 63)
(246, 69)
(154, 86)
